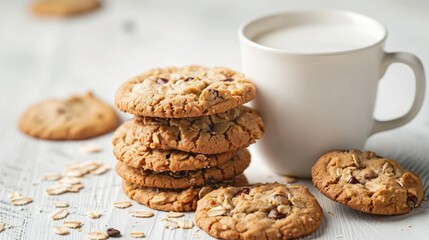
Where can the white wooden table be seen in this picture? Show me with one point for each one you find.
(41, 58)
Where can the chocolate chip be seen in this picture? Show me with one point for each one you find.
(188, 79)
(228, 80)
(168, 156)
(243, 191)
(113, 232)
(412, 201)
(162, 81)
(353, 180)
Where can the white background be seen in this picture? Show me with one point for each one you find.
(42, 57)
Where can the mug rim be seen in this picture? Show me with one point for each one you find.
(354, 15)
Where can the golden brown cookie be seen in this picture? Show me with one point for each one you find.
(128, 149)
(178, 200)
(190, 91)
(367, 182)
(138, 156)
(266, 211)
(63, 8)
(185, 179)
(78, 117)
(222, 132)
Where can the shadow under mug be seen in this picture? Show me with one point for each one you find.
(312, 103)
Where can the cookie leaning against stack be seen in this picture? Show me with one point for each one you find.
(188, 137)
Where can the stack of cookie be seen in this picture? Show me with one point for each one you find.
(188, 137)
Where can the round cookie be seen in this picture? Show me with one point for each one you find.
(136, 155)
(75, 118)
(190, 91)
(128, 149)
(367, 182)
(185, 179)
(63, 8)
(178, 200)
(222, 132)
(267, 211)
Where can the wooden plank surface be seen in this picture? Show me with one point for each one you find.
(42, 58)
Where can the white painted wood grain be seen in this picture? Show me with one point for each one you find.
(42, 58)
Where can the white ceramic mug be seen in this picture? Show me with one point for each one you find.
(316, 99)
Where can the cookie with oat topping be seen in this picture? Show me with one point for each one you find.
(128, 149)
(74, 118)
(178, 92)
(177, 200)
(367, 182)
(265, 211)
(185, 179)
(223, 132)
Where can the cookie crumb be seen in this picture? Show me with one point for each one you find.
(173, 223)
(170, 223)
(185, 224)
(60, 230)
(1, 227)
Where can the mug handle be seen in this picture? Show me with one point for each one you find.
(416, 65)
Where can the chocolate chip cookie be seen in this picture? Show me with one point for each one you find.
(267, 211)
(367, 182)
(190, 91)
(185, 179)
(222, 132)
(63, 8)
(78, 117)
(178, 200)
